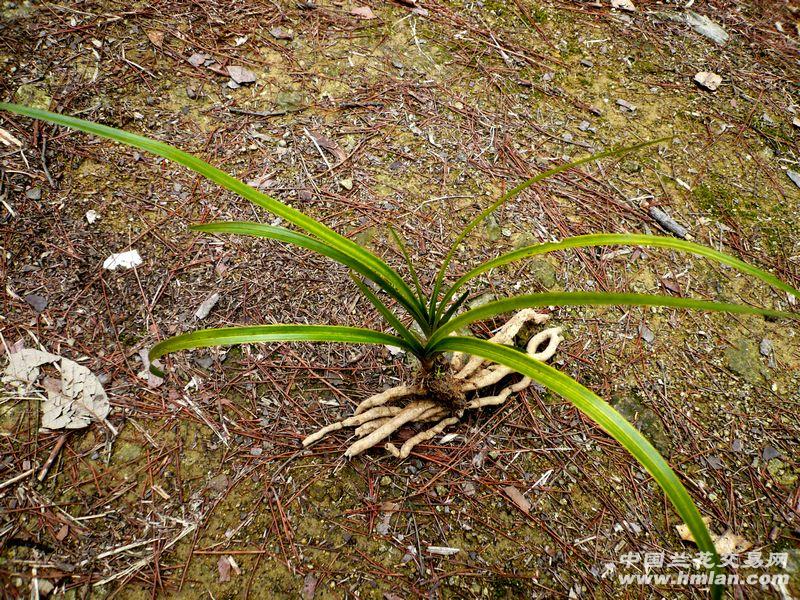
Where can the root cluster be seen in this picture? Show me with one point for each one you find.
(376, 418)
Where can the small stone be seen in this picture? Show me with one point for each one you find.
(38, 303)
(706, 27)
(279, 33)
(626, 105)
(646, 334)
(765, 347)
(737, 445)
(241, 75)
(587, 63)
(794, 176)
(346, 183)
(744, 359)
(197, 59)
(645, 420)
(35, 193)
(708, 80)
(768, 453)
(204, 361)
(219, 483)
(584, 126)
(91, 216)
(206, 306)
(124, 260)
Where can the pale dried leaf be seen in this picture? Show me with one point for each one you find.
(241, 75)
(124, 260)
(443, 550)
(329, 145)
(72, 405)
(8, 140)
(206, 306)
(364, 12)
(623, 5)
(156, 37)
(153, 381)
(198, 58)
(23, 366)
(309, 586)
(516, 496)
(727, 543)
(708, 80)
(279, 33)
(224, 569)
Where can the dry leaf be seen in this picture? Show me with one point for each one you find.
(62, 533)
(224, 569)
(279, 33)
(81, 396)
(364, 12)
(623, 5)
(23, 366)
(241, 75)
(125, 260)
(206, 306)
(708, 80)
(156, 37)
(198, 58)
(727, 543)
(329, 145)
(8, 140)
(153, 381)
(516, 496)
(443, 550)
(309, 586)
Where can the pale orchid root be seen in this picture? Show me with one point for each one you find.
(375, 421)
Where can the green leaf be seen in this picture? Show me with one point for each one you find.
(301, 220)
(399, 241)
(407, 335)
(594, 299)
(298, 239)
(228, 336)
(624, 239)
(606, 417)
(515, 192)
(453, 308)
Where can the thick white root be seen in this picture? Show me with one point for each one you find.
(374, 421)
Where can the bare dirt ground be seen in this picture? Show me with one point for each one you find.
(426, 114)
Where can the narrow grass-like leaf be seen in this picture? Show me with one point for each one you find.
(515, 191)
(229, 336)
(505, 305)
(606, 417)
(301, 220)
(404, 249)
(387, 314)
(298, 239)
(620, 239)
(453, 308)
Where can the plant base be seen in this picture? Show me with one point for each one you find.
(442, 392)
